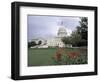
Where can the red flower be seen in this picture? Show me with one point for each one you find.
(58, 56)
(73, 55)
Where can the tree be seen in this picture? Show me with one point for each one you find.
(29, 44)
(66, 40)
(75, 39)
(39, 42)
(32, 43)
(82, 29)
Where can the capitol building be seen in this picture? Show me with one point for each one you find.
(55, 41)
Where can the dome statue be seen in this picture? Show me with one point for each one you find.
(62, 32)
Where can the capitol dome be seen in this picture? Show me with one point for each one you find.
(62, 29)
(62, 32)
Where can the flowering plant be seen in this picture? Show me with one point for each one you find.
(69, 57)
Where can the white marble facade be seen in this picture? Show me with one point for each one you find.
(56, 41)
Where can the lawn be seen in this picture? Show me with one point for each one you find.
(56, 56)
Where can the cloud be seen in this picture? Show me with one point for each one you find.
(47, 26)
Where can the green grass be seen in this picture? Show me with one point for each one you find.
(44, 57)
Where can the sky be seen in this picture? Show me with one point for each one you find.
(47, 26)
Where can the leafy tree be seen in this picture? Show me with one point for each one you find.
(75, 38)
(66, 40)
(29, 44)
(32, 43)
(82, 29)
(39, 42)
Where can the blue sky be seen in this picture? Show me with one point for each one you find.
(47, 26)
